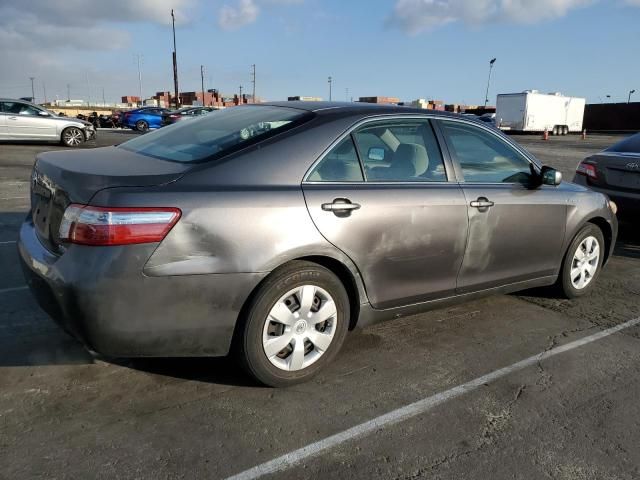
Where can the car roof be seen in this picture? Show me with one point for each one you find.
(355, 108)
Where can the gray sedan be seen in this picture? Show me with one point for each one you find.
(21, 120)
(271, 230)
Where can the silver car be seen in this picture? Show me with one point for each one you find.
(22, 120)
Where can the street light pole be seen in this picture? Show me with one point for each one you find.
(202, 82)
(330, 81)
(33, 93)
(140, 60)
(253, 80)
(486, 95)
(630, 93)
(175, 60)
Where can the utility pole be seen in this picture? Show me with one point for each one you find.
(202, 82)
(330, 81)
(33, 93)
(140, 60)
(346, 94)
(486, 95)
(631, 92)
(44, 92)
(68, 92)
(175, 60)
(103, 100)
(240, 99)
(253, 81)
(88, 90)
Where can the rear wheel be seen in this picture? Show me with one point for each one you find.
(72, 137)
(565, 130)
(294, 325)
(142, 125)
(582, 262)
(555, 130)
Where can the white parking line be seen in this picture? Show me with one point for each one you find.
(421, 406)
(12, 289)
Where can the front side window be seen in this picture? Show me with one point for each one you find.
(400, 151)
(485, 158)
(17, 108)
(212, 136)
(339, 165)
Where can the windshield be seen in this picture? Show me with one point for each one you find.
(211, 136)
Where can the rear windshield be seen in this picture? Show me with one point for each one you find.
(212, 136)
(629, 145)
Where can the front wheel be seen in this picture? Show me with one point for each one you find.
(294, 325)
(582, 262)
(72, 137)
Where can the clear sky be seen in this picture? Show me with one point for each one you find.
(410, 49)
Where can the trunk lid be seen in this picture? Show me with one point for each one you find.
(619, 170)
(62, 177)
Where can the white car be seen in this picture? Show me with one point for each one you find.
(22, 120)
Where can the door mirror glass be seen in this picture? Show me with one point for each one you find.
(551, 176)
(376, 154)
(43, 113)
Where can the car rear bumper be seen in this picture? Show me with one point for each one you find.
(101, 297)
(627, 202)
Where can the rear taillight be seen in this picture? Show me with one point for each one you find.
(587, 169)
(87, 225)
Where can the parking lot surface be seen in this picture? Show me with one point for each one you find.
(570, 415)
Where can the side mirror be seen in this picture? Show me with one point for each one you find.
(376, 154)
(42, 113)
(551, 176)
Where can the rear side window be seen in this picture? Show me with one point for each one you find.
(339, 165)
(628, 145)
(212, 136)
(483, 157)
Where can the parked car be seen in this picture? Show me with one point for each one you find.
(615, 172)
(271, 230)
(142, 119)
(185, 113)
(21, 120)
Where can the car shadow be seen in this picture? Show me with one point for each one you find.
(215, 370)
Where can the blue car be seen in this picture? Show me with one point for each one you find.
(142, 119)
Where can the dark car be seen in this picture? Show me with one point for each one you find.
(615, 172)
(185, 113)
(271, 230)
(142, 119)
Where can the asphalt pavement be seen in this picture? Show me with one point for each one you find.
(522, 386)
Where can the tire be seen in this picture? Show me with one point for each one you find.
(142, 126)
(565, 130)
(302, 341)
(574, 270)
(555, 131)
(72, 137)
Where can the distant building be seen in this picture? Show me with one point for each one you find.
(391, 100)
(130, 99)
(298, 98)
(211, 98)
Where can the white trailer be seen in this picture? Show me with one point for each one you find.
(532, 111)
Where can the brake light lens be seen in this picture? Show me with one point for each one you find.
(587, 169)
(105, 226)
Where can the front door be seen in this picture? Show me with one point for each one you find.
(25, 122)
(516, 229)
(389, 205)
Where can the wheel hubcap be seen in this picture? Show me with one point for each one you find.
(299, 328)
(73, 137)
(585, 262)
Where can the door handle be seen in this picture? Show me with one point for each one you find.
(12, 118)
(340, 206)
(482, 202)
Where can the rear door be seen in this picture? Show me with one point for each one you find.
(25, 122)
(516, 229)
(384, 196)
